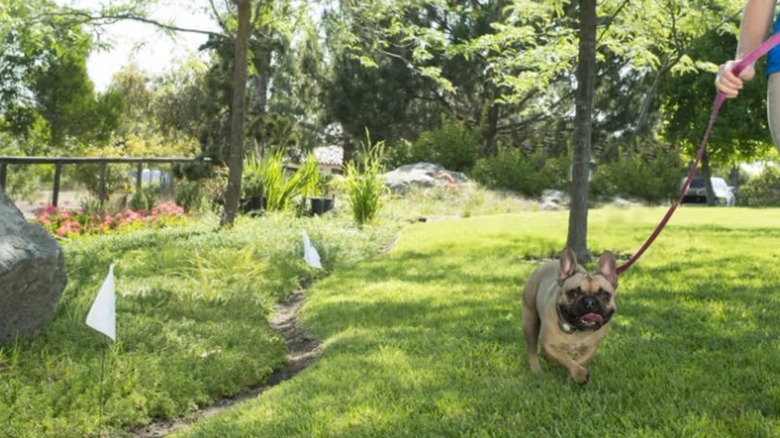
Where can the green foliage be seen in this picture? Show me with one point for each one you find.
(274, 129)
(653, 179)
(398, 153)
(364, 182)
(190, 195)
(299, 78)
(252, 174)
(452, 145)
(43, 58)
(762, 190)
(311, 180)
(192, 323)
(22, 182)
(118, 178)
(145, 199)
(741, 131)
(511, 170)
(280, 188)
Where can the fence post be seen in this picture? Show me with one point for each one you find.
(3, 174)
(55, 193)
(140, 171)
(102, 183)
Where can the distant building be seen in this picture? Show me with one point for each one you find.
(330, 159)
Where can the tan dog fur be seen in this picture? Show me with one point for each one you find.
(560, 288)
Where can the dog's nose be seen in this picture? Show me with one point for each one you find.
(589, 303)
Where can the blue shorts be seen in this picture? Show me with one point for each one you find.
(773, 57)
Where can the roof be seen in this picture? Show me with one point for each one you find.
(329, 155)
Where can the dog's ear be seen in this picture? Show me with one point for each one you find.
(568, 265)
(607, 268)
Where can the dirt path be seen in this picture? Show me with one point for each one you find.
(302, 351)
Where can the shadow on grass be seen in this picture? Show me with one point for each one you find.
(428, 341)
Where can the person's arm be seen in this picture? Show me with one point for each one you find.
(757, 18)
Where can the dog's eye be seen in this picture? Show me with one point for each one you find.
(573, 293)
(605, 295)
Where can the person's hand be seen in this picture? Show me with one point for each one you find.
(728, 83)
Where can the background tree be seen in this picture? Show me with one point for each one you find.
(235, 157)
(586, 74)
(45, 81)
(741, 132)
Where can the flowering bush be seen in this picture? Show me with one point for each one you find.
(63, 222)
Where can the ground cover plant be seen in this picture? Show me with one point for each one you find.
(193, 305)
(73, 222)
(426, 340)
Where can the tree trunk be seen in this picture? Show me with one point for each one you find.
(586, 73)
(261, 58)
(491, 129)
(235, 158)
(706, 174)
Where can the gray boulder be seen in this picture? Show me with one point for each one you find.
(423, 175)
(32, 274)
(553, 200)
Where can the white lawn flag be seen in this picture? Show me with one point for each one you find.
(310, 252)
(102, 315)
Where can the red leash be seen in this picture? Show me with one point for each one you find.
(749, 59)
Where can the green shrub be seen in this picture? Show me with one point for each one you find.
(762, 190)
(555, 172)
(189, 195)
(23, 181)
(654, 180)
(365, 190)
(510, 170)
(453, 145)
(397, 154)
(117, 176)
(279, 188)
(144, 199)
(252, 175)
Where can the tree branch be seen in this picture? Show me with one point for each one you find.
(85, 17)
(611, 20)
(217, 17)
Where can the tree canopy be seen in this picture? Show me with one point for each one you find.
(324, 73)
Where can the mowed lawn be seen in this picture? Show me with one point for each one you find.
(426, 340)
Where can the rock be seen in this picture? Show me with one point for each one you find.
(422, 174)
(32, 274)
(621, 203)
(549, 205)
(554, 200)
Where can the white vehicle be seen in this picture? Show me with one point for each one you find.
(697, 193)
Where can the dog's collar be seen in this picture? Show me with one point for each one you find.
(566, 327)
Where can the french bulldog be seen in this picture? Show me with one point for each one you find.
(566, 310)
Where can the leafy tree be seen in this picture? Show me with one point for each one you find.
(43, 66)
(299, 83)
(741, 131)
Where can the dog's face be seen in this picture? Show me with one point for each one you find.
(587, 300)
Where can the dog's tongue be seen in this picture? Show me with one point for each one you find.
(593, 318)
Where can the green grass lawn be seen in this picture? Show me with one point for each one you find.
(426, 340)
(193, 306)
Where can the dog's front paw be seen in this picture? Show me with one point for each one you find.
(580, 375)
(534, 363)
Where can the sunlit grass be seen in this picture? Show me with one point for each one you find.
(426, 340)
(193, 305)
